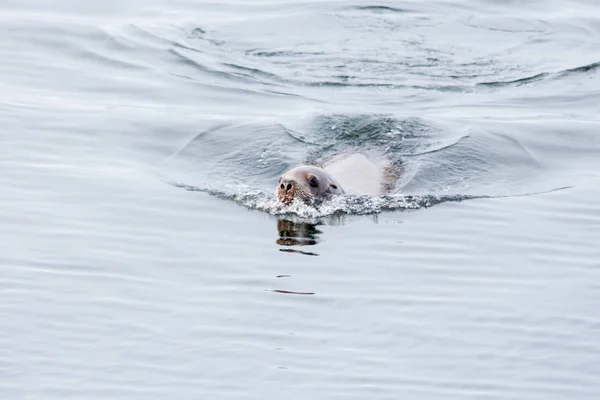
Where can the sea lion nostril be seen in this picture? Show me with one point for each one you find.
(282, 186)
(289, 187)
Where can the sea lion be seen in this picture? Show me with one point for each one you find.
(356, 173)
(306, 183)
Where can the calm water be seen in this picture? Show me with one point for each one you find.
(142, 256)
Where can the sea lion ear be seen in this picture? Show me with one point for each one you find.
(333, 185)
(313, 181)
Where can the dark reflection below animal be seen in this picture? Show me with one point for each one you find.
(297, 234)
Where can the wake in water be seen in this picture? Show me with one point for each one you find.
(337, 205)
(242, 163)
(340, 204)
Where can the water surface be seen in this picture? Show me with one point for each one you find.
(143, 256)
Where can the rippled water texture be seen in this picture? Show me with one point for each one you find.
(144, 256)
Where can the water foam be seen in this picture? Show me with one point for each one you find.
(341, 204)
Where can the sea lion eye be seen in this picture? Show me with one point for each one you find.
(313, 181)
(333, 186)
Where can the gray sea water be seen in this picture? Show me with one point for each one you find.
(142, 255)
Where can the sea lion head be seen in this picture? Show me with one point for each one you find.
(306, 183)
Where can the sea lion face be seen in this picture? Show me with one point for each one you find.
(306, 183)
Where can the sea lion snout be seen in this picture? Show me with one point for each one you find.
(286, 190)
(286, 185)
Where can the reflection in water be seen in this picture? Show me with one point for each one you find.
(306, 253)
(304, 232)
(297, 233)
(290, 292)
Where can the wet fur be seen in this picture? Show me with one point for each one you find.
(387, 176)
(300, 177)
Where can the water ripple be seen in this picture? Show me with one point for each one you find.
(344, 204)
